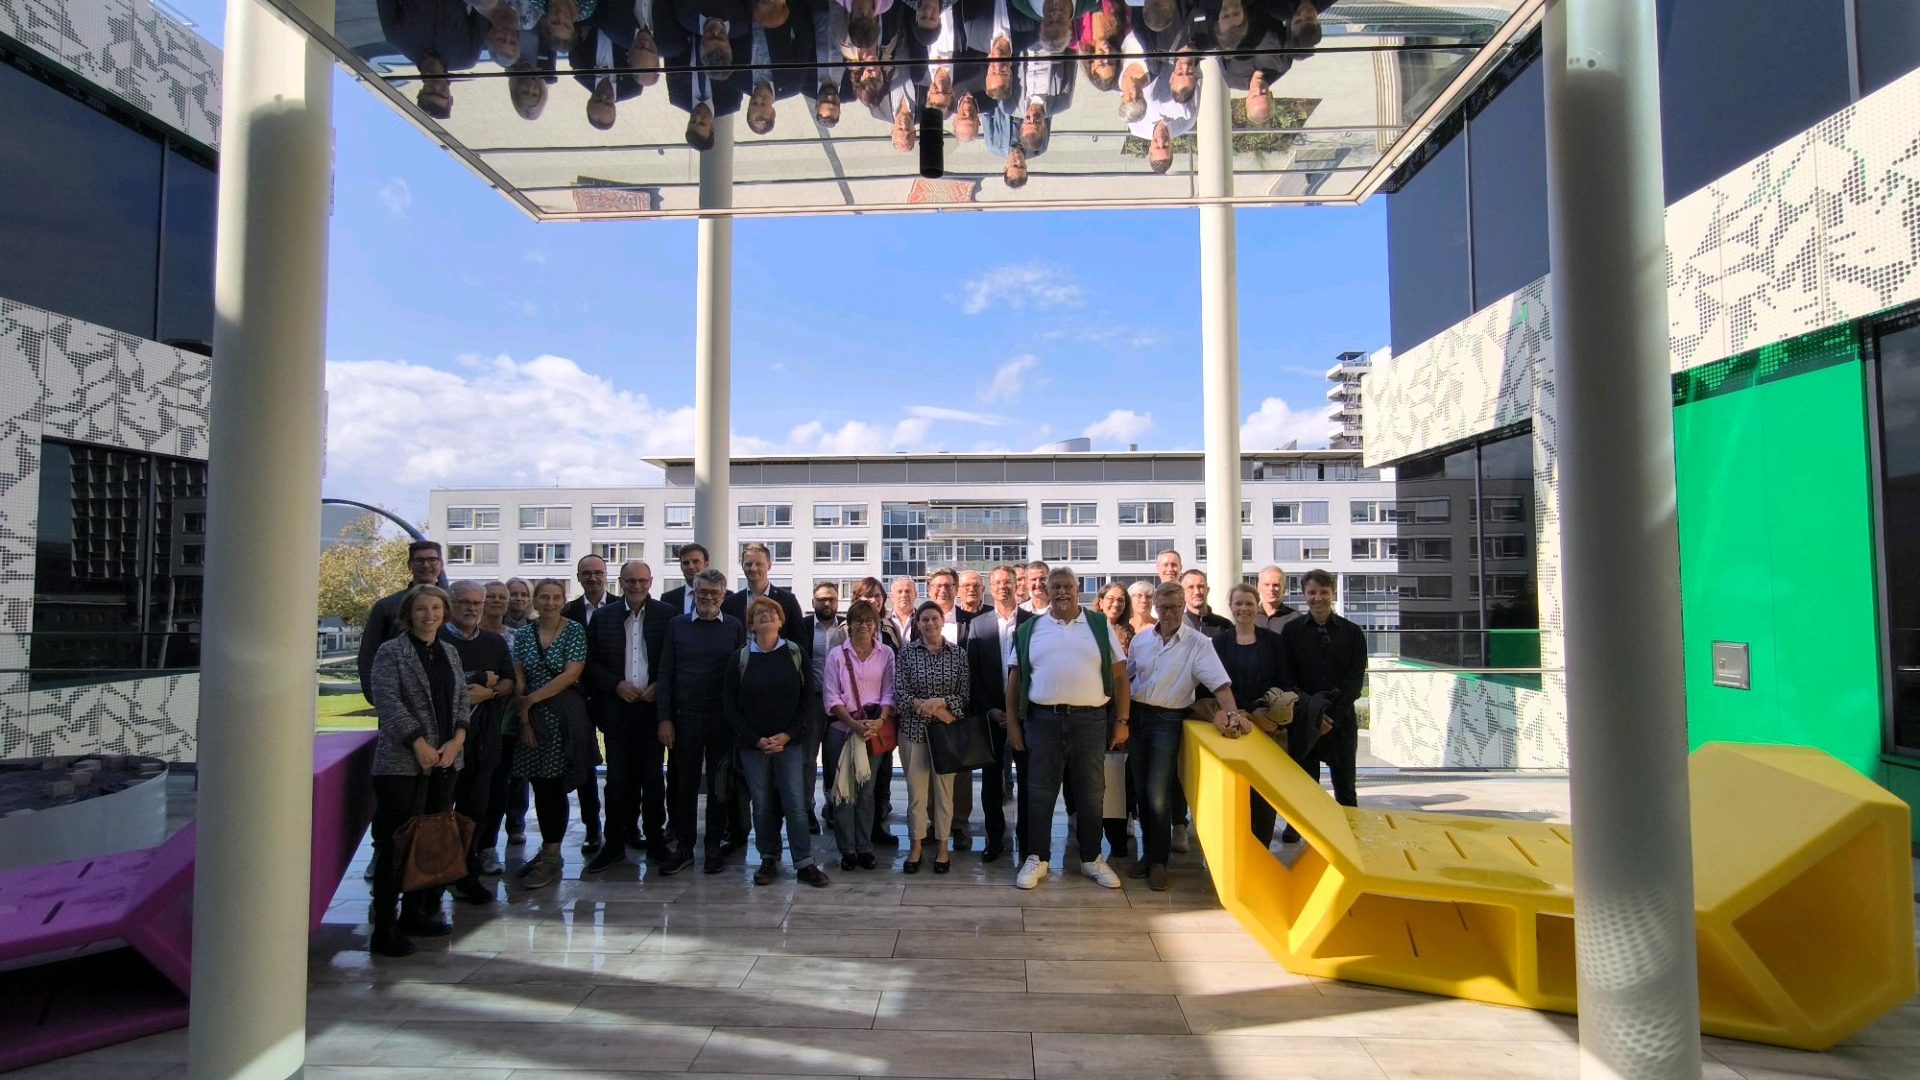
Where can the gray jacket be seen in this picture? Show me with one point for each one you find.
(403, 699)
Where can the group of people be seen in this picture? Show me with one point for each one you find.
(997, 70)
(493, 696)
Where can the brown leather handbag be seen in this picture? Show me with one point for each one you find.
(431, 849)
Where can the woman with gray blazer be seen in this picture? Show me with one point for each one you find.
(420, 697)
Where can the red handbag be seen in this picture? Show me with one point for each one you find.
(885, 740)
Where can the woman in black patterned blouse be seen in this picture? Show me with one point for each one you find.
(930, 687)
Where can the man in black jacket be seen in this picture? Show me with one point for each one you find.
(591, 572)
(625, 645)
(692, 657)
(1328, 656)
(383, 622)
(989, 648)
(693, 559)
(487, 664)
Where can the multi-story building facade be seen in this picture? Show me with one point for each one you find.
(1107, 515)
(1344, 408)
(1794, 311)
(107, 193)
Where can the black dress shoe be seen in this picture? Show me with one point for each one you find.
(911, 866)
(867, 861)
(610, 856)
(727, 848)
(391, 942)
(942, 867)
(847, 863)
(885, 837)
(658, 853)
(962, 841)
(470, 891)
(993, 853)
(811, 874)
(425, 926)
(591, 847)
(769, 869)
(675, 862)
(714, 864)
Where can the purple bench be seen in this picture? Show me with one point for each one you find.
(98, 951)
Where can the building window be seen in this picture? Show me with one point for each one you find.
(766, 515)
(1200, 549)
(541, 554)
(680, 516)
(546, 517)
(473, 554)
(1147, 513)
(460, 518)
(1499, 510)
(780, 550)
(1246, 512)
(1505, 547)
(615, 552)
(116, 588)
(838, 515)
(1426, 586)
(1432, 548)
(839, 551)
(1300, 512)
(1143, 551)
(673, 552)
(1080, 551)
(619, 517)
(1061, 513)
(1376, 548)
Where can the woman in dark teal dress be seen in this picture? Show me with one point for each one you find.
(548, 656)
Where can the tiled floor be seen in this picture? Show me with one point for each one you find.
(635, 975)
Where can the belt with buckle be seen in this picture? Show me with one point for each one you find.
(1072, 710)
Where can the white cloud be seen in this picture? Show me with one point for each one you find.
(1014, 286)
(1276, 423)
(396, 196)
(537, 257)
(1010, 379)
(958, 416)
(1120, 426)
(858, 437)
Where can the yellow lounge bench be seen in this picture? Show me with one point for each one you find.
(1803, 889)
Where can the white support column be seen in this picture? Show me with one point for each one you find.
(249, 1008)
(713, 354)
(1219, 334)
(1627, 738)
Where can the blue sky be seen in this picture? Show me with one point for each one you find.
(469, 346)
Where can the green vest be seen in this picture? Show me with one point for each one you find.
(1023, 661)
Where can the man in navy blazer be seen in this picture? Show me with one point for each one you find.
(625, 645)
(989, 645)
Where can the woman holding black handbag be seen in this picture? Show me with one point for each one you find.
(930, 687)
(549, 654)
(858, 695)
(422, 705)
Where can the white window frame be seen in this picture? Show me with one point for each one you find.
(476, 518)
(615, 552)
(543, 517)
(1069, 513)
(839, 551)
(775, 548)
(839, 515)
(1147, 508)
(1070, 549)
(1200, 549)
(768, 515)
(478, 553)
(618, 516)
(679, 515)
(546, 552)
(1200, 511)
(1152, 546)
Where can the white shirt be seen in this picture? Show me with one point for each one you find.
(638, 671)
(588, 607)
(1164, 673)
(951, 631)
(1008, 624)
(1066, 662)
(688, 605)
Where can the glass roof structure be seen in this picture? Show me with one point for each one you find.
(587, 109)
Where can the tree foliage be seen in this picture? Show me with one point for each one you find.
(360, 567)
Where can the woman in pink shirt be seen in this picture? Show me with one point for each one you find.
(858, 694)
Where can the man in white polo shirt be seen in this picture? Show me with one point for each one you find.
(1069, 677)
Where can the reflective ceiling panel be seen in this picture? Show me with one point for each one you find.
(585, 109)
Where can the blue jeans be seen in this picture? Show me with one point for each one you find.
(1059, 743)
(1153, 760)
(788, 770)
(852, 821)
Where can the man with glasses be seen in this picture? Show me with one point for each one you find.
(693, 658)
(625, 643)
(383, 622)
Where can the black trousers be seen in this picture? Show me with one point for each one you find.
(882, 790)
(636, 784)
(1338, 750)
(590, 806)
(962, 802)
(473, 788)
(393, 802)
(701, 748)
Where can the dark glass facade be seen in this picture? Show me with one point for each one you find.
(1465, 544)
(1507, 144)
(99, 220)
(1889, 33)
(1897, 346)
(1429, 262)
(117, 564)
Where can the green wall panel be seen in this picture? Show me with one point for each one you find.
(1776, 550)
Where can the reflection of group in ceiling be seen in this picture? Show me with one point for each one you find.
(998, 70)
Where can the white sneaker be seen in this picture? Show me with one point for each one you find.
(1033, 872)
(1099, 871)
(1180, 844)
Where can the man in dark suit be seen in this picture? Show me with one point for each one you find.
(989, 645)
(608, 40)
(1328, 658)
(383, 621)
(591, 572)
(823, 631)
(693, 559)
(625, 645)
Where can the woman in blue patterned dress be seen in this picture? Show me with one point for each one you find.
(548, 655)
